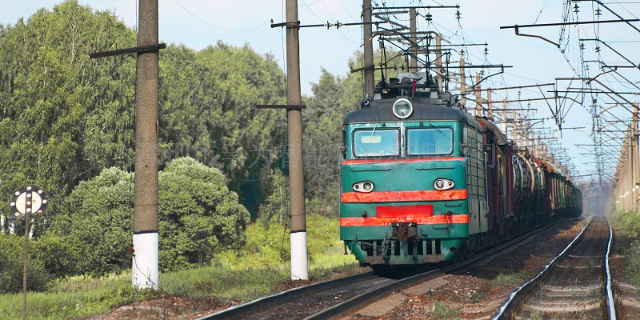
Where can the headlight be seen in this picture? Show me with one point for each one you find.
(363, 186)
(402, 108)
(443, 184)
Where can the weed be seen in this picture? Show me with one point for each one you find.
(536, 315)
(508, 279)
(441, 311)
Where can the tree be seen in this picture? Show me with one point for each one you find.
(198, 216)
(64, 117)
(99, 214)
(11, 272)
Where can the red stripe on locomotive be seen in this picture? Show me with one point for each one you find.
(377, 221)
(398, 196)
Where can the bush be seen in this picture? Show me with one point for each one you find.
(12, 267)
(62, 255)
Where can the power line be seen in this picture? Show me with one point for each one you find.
(217, 27)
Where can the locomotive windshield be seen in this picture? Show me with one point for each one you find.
(435, 141)
(376, 143)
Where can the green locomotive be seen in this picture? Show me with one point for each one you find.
(423, 181)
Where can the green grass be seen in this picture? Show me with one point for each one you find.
(508, 279)
(71, 298)
(259, 269)
(629, 223)
(441, 311)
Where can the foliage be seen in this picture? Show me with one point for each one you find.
(235, 278)
(270, 245)
(61, 256)
(12, 267)
(508, 279)
(275, 208)
(73, 298)
(627, 220)
(68, 126)
(198, 216)
(66, 117)
(441, 311)
(632, 262)
(98, 213)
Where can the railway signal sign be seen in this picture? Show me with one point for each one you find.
(29, 199)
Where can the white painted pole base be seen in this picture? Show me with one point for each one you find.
(144, 272)
(299, 268)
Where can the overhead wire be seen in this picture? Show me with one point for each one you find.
(215, 26)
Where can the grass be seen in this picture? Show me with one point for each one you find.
(259, 269)
(441, 311)
(72, 298)
(508, 279)
(629, 223)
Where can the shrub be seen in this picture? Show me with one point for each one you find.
(12, 267)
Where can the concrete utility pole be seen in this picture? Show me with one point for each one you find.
(478, 96)
(489, 103)
(145, 209)
(463, 86)
(514, 127)
(299, 267)
(413, 61)
(439, 62)
(504, 117)
(369, 67)
(635, 163)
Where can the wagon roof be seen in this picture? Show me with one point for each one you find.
(499, 137)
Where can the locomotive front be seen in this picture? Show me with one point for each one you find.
(403, 189)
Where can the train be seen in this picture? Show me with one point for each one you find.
(425, 182)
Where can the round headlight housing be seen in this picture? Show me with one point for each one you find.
(443, 184)
(402, 108)
(363, 186)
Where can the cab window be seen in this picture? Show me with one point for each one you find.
(376, 143)
(429, 141)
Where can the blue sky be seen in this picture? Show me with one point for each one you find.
(198, 24)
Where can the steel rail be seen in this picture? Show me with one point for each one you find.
(517, 296)
(363, 298)
(261, 303)
(610, 300)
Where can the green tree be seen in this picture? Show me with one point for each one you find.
(12, 266)
(276, 207)
(63, 116)
(198, 216)
(99, 214)
(232, 81)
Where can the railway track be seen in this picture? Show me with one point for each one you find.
(575, 285)
(335, 297)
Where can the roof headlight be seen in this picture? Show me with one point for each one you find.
(402, 108)
(443, 184)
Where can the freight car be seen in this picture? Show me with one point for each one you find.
(423, 181)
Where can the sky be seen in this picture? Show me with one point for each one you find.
(198, 24)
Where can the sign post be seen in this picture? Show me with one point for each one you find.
(25, 201)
